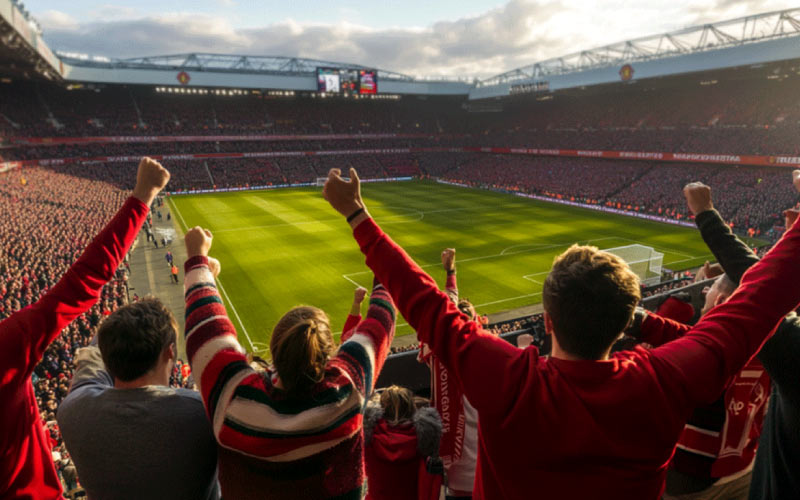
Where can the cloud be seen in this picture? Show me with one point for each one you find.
(518, 33)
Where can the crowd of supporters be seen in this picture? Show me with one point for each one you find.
(51, 215)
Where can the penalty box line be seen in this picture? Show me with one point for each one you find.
(221, 288)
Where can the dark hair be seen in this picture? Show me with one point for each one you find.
(301, 344)
(398, 404)
(132, 338)
(590, 296)
(466, 307)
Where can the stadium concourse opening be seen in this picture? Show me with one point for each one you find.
(536, 254)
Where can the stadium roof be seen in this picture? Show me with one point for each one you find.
(707, 37)
(278, 65)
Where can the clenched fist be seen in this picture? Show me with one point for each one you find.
(359, 295)
(449, 259)
(198, 242)
(150, 180)
(698, 196)
(796, 179)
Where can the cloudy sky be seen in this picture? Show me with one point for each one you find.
(417, 37)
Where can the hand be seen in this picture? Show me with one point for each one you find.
(524, 340)
(150, 180)
(198, 242)
(449, 259)
(344, 197)
(698, 196)
(796, 179)
(359, 295)
(790, 215)
(214, 266)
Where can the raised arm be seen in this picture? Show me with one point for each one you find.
(246, 413)
(730, 334)
(354, 318)
(459, 343)
(449, 265)
(733, 254)
(25, 335)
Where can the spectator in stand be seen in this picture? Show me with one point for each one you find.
(26, 467)
(131, 435)
(354, 317)
(294, 431)
(580, 423)
(460, 441)
(398, 442)
(717, 448)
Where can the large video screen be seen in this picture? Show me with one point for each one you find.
(347, 80)
(367, 82)
(328, 80)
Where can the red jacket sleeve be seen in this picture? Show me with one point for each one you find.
(657, 330)
(459, 343)
(350, 323)
(702, 362)
(25, 335)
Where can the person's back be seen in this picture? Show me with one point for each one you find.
(582, 424)
(130, 435)
(398, 441)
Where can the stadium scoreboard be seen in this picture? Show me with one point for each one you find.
(357, 81)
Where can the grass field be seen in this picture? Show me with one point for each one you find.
(287, 247)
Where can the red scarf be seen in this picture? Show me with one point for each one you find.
(447, 399)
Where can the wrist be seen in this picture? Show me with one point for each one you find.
(451, 271)
(358, 219)
(146, 196)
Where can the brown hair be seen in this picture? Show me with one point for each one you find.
(466, 307)
(590, 295)
(301, 345)
(398, 404)
(132, 338)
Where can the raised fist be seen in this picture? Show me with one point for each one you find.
(150, 180)
(198, 242)
(796, 179)
(449, 259)
(524, 340)
(359, 294)
(344, 196)
(698, 196)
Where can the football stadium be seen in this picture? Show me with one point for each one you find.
(233, 275)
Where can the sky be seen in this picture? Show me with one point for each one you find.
(417, 37)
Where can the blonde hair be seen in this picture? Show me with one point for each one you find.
(398, 404)
(301, 345)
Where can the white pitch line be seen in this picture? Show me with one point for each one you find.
(506, 300)
(501, 254)
(222, 289)
(239, 319)
(385, 219)
(351, 281)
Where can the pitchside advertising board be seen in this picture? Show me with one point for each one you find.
(356, 81)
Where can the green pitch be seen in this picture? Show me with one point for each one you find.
(287, 247)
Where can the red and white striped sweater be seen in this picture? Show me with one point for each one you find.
(272, 445)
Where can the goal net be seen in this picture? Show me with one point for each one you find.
(643, 260)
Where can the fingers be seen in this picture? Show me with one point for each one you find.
(796, 179)
(354, 176)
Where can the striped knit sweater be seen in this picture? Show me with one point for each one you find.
(273, 446)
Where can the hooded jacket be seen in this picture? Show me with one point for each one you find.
(395, 455)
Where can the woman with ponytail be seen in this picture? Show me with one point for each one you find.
(293, 431)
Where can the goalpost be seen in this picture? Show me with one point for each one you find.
(643, 260)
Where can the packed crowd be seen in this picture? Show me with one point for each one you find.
(749, 195)
(76, 344)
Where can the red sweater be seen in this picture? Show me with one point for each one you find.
(26, 465)
(585, 429)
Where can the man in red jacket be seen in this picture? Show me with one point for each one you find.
(581, 423)
(26, 466)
